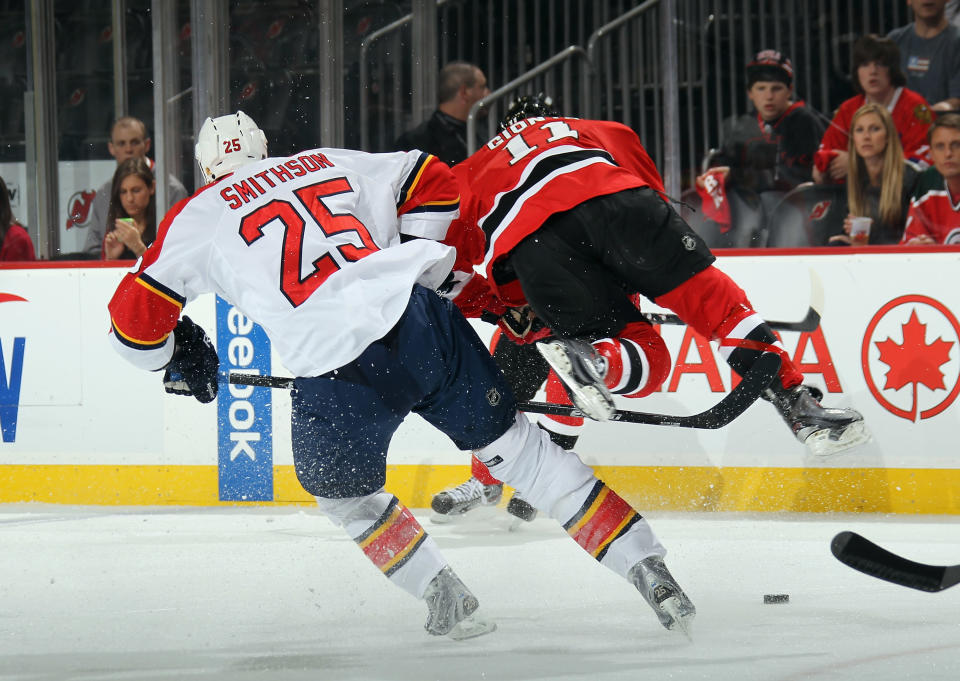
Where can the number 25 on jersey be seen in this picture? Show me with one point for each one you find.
(295, 288)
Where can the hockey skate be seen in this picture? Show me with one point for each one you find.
(465, 496)
(581, 369)
(825, 431)
(452, 609)
(520, 508)
(658, 587)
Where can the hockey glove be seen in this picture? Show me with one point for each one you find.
(522, 326)
(194, 366)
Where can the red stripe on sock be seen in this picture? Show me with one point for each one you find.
(602, 522)
(393, 540)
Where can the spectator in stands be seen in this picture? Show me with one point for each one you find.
(15, 242)
(877, 78)
(128, 139)
(763, 155)
(930, 54)
(880, 181)
(444, 134)
(133, 211)
(934, 216)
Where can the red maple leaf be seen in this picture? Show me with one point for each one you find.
(914, 361)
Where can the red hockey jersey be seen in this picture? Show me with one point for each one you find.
(933, 211)
(911, 116)
(534, 169)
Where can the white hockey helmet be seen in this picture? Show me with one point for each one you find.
(227, 142)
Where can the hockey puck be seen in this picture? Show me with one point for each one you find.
(776, 598)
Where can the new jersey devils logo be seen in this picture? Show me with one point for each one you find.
(910, 359)
(78, 208)
(819, 210)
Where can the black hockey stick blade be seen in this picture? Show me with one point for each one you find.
(761, 374)
(730, 407)
(808, 323)
(862, 554)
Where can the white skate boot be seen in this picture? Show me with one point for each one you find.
(452, 609)
(661, 591)
(824, 430)
(581, 369)
(465, 496)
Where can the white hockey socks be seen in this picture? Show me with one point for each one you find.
(557, 482)
(390, 537)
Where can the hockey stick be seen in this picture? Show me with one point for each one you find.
(723, 412)
(730, 407)
(807, 324)
(863, 555)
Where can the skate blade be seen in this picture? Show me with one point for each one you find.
(471, 627)
(681, 623)
(820, 443)
(588, 398)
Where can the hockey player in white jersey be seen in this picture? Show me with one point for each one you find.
(337, 254)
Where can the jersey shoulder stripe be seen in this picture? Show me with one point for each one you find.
(429, 188)
(406, 189)
(134, 343)
(159, 289)
(540, 168)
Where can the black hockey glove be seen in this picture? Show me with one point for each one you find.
(194, 366)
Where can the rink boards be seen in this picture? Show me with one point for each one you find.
(80, 426)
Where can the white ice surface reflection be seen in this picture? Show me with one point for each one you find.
(278, 593)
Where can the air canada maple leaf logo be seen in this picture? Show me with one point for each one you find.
(910, 357)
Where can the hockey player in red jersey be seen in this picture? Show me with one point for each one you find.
(337, 255)
(567, 218)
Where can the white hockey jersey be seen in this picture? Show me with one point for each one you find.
(307, 246)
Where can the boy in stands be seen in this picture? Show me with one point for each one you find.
(934, 216)
(876, 78)
(763, 155)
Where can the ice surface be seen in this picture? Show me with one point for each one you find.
(279, 593)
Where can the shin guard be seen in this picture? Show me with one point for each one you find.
(560, 484)
(611, 530)
(390, 537)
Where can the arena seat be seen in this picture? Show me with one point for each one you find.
(807, 216)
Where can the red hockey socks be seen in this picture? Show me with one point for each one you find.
(638, 361)
(718, 309)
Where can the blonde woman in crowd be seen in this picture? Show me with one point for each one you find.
(880, 180)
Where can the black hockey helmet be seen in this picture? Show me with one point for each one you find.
(527, 106)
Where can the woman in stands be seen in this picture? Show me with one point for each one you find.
(880, 181)
(15, 242)
(132, 212)
(878, 79)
